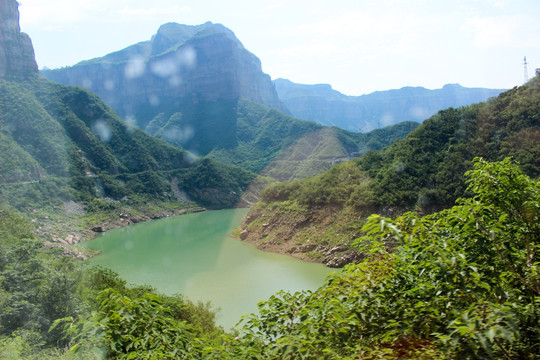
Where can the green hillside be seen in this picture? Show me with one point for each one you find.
(199, 89)
(265, 140)
(63, 143)
(424, 171)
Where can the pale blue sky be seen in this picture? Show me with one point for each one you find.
(357, 46)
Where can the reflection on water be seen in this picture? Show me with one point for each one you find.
(193, 255)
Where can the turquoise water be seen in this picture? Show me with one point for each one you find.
(194, 255)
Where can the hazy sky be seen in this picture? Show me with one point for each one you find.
(357, 46)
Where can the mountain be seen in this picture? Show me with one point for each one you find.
(201, 70)
(322, 104)
(199, 89)
(62, 143)
(317, 218)
(271, 143)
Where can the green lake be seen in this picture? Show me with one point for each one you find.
(194, 255)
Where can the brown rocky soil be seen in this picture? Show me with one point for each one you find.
(305, 234)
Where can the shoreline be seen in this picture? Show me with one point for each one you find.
(68, 242)
(335, 257)
(330, 256)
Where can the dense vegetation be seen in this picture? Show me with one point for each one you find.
(265, 140)
(460, 283)
(426, 168)
(63, 143)
(40, 286)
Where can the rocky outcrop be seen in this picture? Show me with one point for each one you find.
(17, 60)
(305, 234)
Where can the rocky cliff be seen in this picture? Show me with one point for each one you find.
(180, 67)
(322, 104)
(17, 60)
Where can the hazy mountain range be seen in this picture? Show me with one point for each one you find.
(329, 107)
(206, 64)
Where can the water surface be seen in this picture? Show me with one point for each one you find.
(194, 255)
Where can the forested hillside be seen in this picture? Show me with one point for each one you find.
(273, 144)
(317, 217)
(63, 143)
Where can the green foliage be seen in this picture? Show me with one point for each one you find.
(200, 317)
(125, 328)
(213, 184)
(343, 185)
(36, 287)
(462, 283)
(426, 168)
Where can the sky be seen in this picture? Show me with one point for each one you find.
(357, 46)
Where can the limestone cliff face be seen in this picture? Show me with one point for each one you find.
(17, 60)
(180, 66)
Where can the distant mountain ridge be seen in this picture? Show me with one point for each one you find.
(324, 105)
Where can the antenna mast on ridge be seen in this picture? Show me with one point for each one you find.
(525, 72)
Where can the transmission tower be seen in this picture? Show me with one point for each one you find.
(525, 72)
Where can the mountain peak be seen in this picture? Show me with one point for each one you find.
(172, 35)
(17, 58)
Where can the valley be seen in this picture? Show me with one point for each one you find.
(434, 225)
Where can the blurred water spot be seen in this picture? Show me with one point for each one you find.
(187, 57)
(171, 66)
(102, 129)
(175, 80)
(191, 157)
(176, 134)
(109, 85)
(87, 83)
(387, 119)
(418, 113)
(129, 245)
(131, 121)
(398, 166)
(164, 68)
(154, 100)
(135, 67)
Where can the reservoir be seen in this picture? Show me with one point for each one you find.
(194, 255)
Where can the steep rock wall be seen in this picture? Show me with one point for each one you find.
(17, 60)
